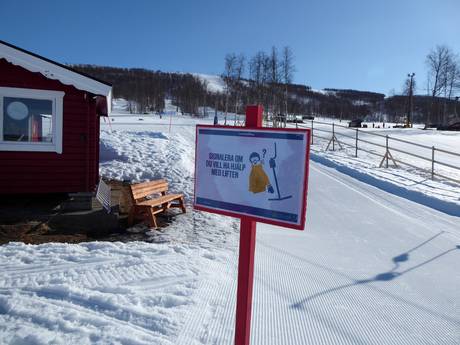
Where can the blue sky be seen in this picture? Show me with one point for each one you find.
(366, 45)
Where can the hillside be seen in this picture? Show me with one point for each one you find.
(146, 91)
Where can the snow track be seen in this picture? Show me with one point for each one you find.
(384, 272)
(128, 294)
(381, 273)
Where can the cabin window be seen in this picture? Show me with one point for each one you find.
(30, 120)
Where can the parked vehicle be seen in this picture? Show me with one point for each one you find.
(356, 123)
(454, 126)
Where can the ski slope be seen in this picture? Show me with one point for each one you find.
(382, 272)
(370, 267)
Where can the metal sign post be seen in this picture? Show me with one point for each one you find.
(233, 177)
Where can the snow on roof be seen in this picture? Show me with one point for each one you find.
(54, 70)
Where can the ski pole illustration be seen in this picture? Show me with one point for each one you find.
(272, 163)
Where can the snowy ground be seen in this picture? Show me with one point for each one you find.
(214, 83)
(371, 267)
(415, 179)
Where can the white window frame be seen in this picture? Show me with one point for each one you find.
(56, 97)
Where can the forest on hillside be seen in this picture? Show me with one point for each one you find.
(146, 91)
(266, 78)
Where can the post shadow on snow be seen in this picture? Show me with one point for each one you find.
(405, 256)
(381, 277)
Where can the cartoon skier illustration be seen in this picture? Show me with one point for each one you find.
(258, 179)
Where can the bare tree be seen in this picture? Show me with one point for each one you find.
(274, 82)
(238, 74)
(452, 79)
(227, 76)
(205, 93)
(437, 60)
(256, 74)
(266, 90)
(287, 71)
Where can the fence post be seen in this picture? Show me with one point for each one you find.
(386, 155)
(333, 137)
(312, 132)
(432, 162)
(356, 144)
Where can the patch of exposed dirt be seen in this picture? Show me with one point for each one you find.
(36, 219)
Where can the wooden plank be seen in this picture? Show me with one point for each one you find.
(32, 186)
(143, 195)
(139, 194)
(161, 200)
(143, 189)
(43, 169)
(43, 189)
(72, 127)
(46, 156)
(78, 150)
(63, 160)
(42, 182)
(147, 184)
(43, 178)
(51, 163)
(150, 186)
(157, 188)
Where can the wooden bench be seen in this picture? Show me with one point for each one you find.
(150, 198)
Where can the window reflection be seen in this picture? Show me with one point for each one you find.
(27, 119)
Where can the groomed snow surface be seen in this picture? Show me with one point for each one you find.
(370, 267)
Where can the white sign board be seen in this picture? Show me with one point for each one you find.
(256, 173)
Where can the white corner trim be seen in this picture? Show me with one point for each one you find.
(52, 71)
(30, 93)
(28, 147)
(109, 102)
(57, 120)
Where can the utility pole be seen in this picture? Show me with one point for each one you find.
(411, 94)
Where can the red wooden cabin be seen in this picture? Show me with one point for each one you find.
(49, 124)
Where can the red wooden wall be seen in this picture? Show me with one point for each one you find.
(77, 168)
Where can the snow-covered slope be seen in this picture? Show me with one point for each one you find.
(213, 82)
(120, 106)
